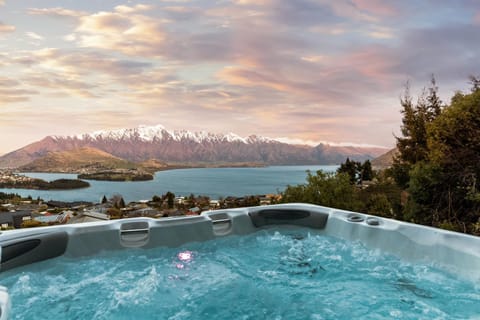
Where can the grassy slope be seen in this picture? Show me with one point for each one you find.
(76, 160)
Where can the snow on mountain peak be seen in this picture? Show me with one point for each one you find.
(159, 132)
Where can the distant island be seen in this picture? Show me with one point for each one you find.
(117, 175)
(15, 181)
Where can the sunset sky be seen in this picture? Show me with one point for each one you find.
(307, 70)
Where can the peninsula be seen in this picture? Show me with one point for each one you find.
(12, 180)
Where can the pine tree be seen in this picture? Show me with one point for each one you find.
(434, 103)
(350, 168)
(170, 199)
(413, 145)
(366, 173)
(475, 81)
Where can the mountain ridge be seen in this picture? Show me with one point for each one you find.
(156, 142)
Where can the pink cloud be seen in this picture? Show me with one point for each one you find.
(377, 7)
(13, 91)
(5, 28)
(57, 12)
(476, 18)
(131, 34)
(372, 63)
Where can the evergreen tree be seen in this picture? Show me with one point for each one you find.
(366, 173)
(170, 199)
(350, 168)
(445, 189)
(412, 145)
(121, 203)
(475, 81)
(434, 104)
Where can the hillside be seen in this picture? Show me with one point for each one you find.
(180, 147)
(77, 160)
(385, 160)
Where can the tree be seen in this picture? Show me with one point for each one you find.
(327, 189)
(475, 82)
(375, 197)
(117, 201)
(406, 144)
(434, 104)
(412, 145)
(114, 213)
(378, 204)
(350, 168)
(356, 171)
(121, 203)
(170, 199)
(444, 189)
(366, 172)
(104, 199)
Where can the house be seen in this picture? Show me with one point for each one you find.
(194, 211)
(214, 204)
(47, 218)
(15, 218)
(179, 200)
(144, 212)
(89, 216)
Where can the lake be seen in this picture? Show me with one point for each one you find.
(212, 182)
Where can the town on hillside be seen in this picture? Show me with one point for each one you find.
(19, 212)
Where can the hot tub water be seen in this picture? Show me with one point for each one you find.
(288, 274)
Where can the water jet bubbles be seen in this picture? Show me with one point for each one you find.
(184, 258)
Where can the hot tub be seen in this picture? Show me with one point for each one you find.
(458, 254)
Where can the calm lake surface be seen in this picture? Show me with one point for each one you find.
(212, 182)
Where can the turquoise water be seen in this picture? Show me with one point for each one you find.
(212, 182)
(268, 275)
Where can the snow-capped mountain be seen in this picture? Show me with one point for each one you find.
(182, 146)
(159, 133)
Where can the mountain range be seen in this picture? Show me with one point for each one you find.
(183, 147)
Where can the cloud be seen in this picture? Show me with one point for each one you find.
(335, 67)
(34, 36)
(179, 13)
(302, 13)
(131, 34)
(476, 18)
(252, 2)
(381, 33)
(11, 91)
(377, 7)
(135, 9)
(80, 63)
(5, 28)
(435, 48)
(176, 1)
(2, 3)
(56, 12)
(76, 73)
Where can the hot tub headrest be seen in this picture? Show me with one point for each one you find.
(36, 247)
(298, 217)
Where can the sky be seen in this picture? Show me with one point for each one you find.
(303, 70)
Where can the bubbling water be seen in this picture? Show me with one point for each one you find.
(294, 274)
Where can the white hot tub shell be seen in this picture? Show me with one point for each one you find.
(456, 252)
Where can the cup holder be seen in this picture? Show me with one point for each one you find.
(373, 221)
(355, 218)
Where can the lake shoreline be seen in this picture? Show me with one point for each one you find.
(212, 182)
